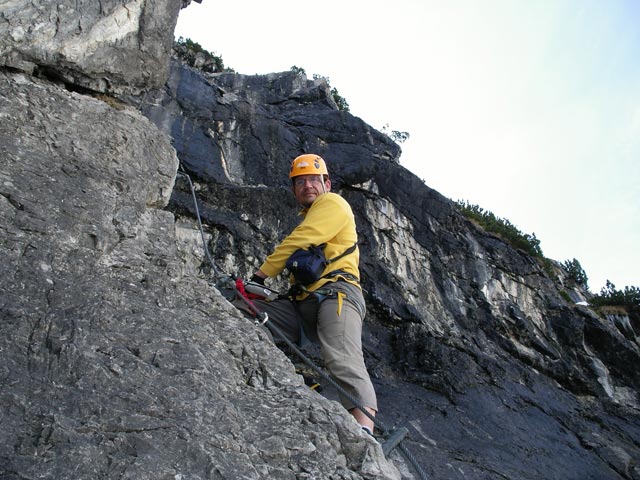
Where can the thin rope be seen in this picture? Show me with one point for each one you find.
(216, 272)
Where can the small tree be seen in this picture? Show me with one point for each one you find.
(576, 273)
(399, 137)
(299, 71)
(340, 100)
(195, 56)
(395, 135)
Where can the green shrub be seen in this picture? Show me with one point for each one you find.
(396, 135)
(548, 267)
(610, 296)
(340, 100)
(299, 71)
(576, 273)
(566, 296)
(501, 227)
(195, 56)
(399, 137)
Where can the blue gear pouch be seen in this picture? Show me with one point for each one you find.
(307, 266)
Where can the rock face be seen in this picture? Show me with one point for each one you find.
(107, 46)
(472, 344)
(118, 359)
(115, 360)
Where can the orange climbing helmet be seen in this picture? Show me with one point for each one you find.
(308, 164)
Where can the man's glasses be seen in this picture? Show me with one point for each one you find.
(314, 180)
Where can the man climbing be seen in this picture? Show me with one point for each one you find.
(330, 309)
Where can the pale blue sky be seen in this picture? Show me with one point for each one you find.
(530, 109)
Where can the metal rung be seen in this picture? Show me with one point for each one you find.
(394, 438)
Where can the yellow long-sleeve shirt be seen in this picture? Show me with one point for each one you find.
(328, 220)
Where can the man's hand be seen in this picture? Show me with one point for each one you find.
(257, 279)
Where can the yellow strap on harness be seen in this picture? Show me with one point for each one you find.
(341, 295)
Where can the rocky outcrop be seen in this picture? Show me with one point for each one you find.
(108, 46)
(118, 359)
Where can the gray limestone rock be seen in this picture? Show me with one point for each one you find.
(108, 46)
(119, 359)
(115, 361)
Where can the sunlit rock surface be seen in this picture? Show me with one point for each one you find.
(106, 46)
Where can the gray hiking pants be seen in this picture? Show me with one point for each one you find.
(338, 332)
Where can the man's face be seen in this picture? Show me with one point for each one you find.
(306, 188)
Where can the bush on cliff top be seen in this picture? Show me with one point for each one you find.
(576, 273)
(195, 56)
(501, 227)
(611, 296)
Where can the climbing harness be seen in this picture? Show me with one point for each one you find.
(392, 438)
